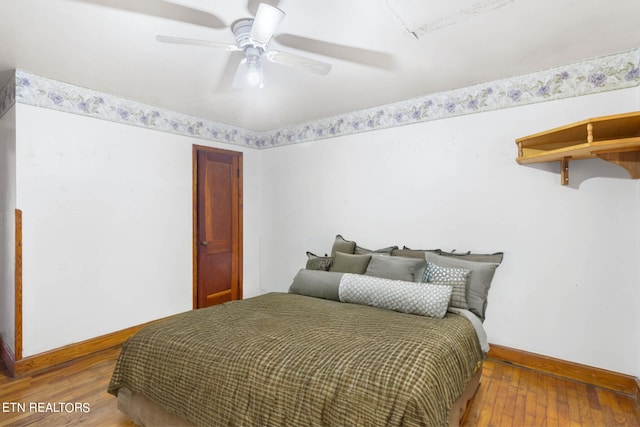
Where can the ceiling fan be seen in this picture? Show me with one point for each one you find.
(252, 38)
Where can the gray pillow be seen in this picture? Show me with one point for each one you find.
(349, 263)
(479, 281)
(413, 253)
(316, 283)
(384, 251)
(315, 262)
(468, 256)
(340, 244)
(396, 268)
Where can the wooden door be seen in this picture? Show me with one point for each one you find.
(217, 226)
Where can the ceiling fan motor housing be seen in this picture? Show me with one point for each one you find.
(242, 31)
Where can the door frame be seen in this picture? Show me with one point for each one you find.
(195, 150)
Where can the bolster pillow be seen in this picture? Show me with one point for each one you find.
(317, 283)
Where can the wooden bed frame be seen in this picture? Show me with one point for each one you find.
(461, 406)
(145, 412)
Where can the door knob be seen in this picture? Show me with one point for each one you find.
(204, 243)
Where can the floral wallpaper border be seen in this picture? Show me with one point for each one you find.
(47, 93)
(611, 72)
(8, 95)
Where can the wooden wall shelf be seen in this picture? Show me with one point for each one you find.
(615, 139)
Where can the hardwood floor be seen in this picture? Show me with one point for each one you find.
(514, 396)
(82, 382)
(508, 396)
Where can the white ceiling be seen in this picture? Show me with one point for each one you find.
(382, 51)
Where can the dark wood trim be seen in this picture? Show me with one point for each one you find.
(638, 391)
(194, 192)
(18, 286)
(240, 226)
(194, 221)
(615, 381)
(7, 356)
(58, 356)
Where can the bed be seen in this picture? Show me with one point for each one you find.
(326, 353)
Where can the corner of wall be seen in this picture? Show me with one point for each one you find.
(7, 93)
(7, 213)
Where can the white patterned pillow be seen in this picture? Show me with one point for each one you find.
(456, 277)
(407, 297)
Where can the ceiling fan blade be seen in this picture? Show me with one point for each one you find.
(163, 9)
(265, 23)
(296, 61)
(194, 42)
(238, 78)
(353, 54)
(228, 73)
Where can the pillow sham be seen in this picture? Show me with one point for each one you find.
(349, 263)
(315, 262)
(383, 251)
(413, 253)
(479, 280)
(407, 297)
(458, 278)
(468, 256)
(340, 244)
(396, 268)
(316, 283)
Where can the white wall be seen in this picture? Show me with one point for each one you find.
(107, 212)
(7, 226)
(637, 339)
(568, 286)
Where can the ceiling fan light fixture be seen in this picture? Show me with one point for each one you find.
(254, 70)
(265, 23)
(249, 72)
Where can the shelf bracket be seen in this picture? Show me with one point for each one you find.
(564, 171)
(630, 160)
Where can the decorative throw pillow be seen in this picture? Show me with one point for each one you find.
(396, 268)
(479, 280)
(342, 245)
(315, 262)
(458, 278)
(349, 263)
(406, 297)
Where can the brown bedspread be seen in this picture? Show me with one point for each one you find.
(292, 360)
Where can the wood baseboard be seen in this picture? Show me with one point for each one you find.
(7, 356)
(58, 356)
(615, 381)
